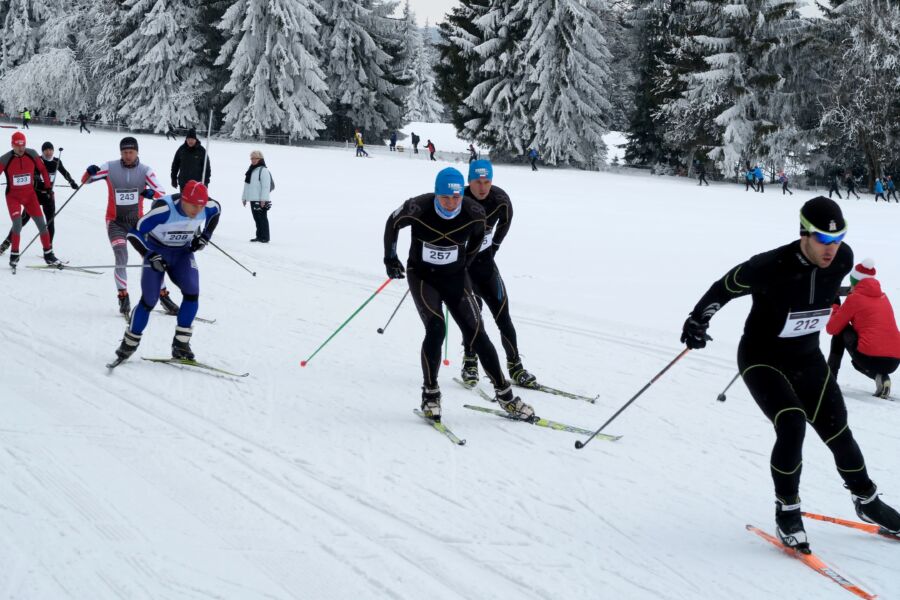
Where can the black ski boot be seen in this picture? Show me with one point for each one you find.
(431, 403)
(13, 259)
(129, 344)
(513, 404)
(789, 524)
(167, 303)
(469, 373)
(519, 374)
(871, 509)
(4, 246)
(124, 303)
(50, 258)
(181, 344)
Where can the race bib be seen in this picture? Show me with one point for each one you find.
(22, 179)
(488, 240)
(126, 197)
(439, 255)
(174, 238)
(805, 322)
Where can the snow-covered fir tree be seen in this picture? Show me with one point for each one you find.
(20, 33)
(568, 78)
(276, 82)
(164, 65)
(357, 69)
(422, 103)
(457, 70)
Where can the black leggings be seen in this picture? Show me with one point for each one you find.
(455, 291)
(870, 366)
(489, 288)
(793, 391)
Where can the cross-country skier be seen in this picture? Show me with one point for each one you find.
(701, 174)
(129, 182)
(487, 284)
(82, 123)
(783, 178)
(20, 166)
(879, 190)
(891, 188)
(447, 230)
(760, 179)
(167, 237)
(835, 187)
(851, 186)
(793, 288)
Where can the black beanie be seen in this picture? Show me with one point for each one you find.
(824, 214)
(128, 143)
(46, 145)
(192, 133)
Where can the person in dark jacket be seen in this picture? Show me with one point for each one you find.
(851, 186)
(393, 146)
(835, 187)
(701, 174)
(415, 142)
(188, 162)
(891, 188)
(82, 123)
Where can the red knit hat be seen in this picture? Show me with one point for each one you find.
(18, 139)
(864, 270)
(195, 193)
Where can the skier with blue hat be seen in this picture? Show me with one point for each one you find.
(447, 232)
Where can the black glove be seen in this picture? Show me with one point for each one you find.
(157, 262)
(198, 243)
(73, 185)
(394, 268)
(92, 170)
(694, 335)
(148, 193)
(174, 183)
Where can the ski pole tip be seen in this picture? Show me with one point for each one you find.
(302, 363)
(446, 363)
(578, 445)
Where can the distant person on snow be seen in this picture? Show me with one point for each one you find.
(851, 186)
(865, 327)
(749, 181)
(414, 139)
(188, 162)
(533, 156)
(784, 183)
(879, 190)
(760, 178)
(26, 118)
(257, 189)
(82, 123)
(473, 155)
(393, 146)
(431, 150)
(701, 174)
(360, 147)
(170, 132)
(891, 188)
(835, 187)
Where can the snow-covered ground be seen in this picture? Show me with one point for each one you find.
(157, 482)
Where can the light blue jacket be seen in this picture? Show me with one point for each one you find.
(879, 188)
(258, 188)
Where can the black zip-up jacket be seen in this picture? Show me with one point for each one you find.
(439, 245)
(782, 282)
(188, 164)
(53, 165)
(498, 218)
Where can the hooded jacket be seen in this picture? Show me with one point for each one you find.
(870, 313)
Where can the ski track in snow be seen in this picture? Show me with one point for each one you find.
(154, 482)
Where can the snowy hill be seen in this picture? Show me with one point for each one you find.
(157, 482)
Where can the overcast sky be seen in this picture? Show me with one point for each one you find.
(434, 10)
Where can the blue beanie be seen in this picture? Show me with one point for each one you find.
(449, 181)
(481, 168)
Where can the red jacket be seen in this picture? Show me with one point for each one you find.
(871, 314)
(20, 172)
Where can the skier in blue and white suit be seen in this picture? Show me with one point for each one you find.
(167, 237)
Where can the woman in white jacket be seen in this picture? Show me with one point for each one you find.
(257, 185)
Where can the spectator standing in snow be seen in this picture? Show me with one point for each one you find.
(257, 187)
(784, 183)
(879, 190)
(431, 150)
(170, 132)
(748, 180)
(360, 147)
(82, 123)
(533, 156)
(851, 186)
(835, 187)
(26, 118)
(473, 155)
(891, 188)
(701, 174)
(394, 141)
(760, 178)
(415, 142)
(188, 162)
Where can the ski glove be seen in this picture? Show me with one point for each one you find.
(148, 193)
(89, 172)
(394, 268)
(199, 243)
(174, 183)
(73, 185)
(157, 262)
(694, 335)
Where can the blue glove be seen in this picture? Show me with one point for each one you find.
(148, 193)
(157, 262)
(92, 170)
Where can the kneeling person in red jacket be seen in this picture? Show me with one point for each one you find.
(865, 326)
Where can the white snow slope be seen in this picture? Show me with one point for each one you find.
(159, 482)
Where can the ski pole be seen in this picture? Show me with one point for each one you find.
(579, 444)
(721, 397)
(446, 333)
(106, 266)
(213, 244)
(405, 294)
(59, 158)
(50, 220)
(206, 154)
(303, 363)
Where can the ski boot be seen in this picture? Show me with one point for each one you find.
(13, 259)
(883, 386)
(469, 373)
(513, 404)
(431, 403)
(124, 303)
(129, 344)
(51, 259)
(167, 303)
(871, 509)
(181, 344)
(519, 374)
(789, 524)
(4, 246)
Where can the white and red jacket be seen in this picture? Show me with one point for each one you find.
(870, 313)
(126, 185)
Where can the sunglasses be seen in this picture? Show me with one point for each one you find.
(823, 237)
